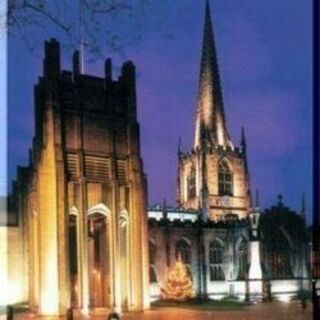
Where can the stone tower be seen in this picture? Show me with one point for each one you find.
(214, 175)
(83, 196)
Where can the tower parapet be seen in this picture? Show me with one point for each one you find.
(86, 186)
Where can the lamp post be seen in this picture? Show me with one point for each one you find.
(255, 271)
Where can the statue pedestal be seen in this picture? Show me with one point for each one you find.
(255, 290)
(255, 273)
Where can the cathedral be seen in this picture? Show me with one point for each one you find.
(83, 195)
(88, 240)
(216, 226)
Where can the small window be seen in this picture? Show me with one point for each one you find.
(243, 260)
(191, 184)
(216, 261)
(225, 178)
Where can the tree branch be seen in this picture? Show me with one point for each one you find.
(47, 14)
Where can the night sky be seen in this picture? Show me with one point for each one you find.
(265, 57)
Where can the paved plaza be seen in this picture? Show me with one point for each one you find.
(272, 311)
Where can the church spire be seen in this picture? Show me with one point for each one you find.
(210, 125)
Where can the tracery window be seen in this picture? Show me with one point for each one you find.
(216, 261)
(225, 178)
(191, 183)
(243, 259)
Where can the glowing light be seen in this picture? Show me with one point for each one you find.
(286, 298)
(49, 293)
(4, 264)
(179, 284)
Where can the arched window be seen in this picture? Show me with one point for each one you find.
(243, 259)
(216, 261)
(191, 183)
(184, 250)
(225, 178)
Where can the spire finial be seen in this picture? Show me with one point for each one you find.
(243, 138)
(179, 146)
(207, 7)
(81, 41)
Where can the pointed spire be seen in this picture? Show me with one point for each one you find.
(210, 125)
(243, 142)
(179, 146)
(81, 40)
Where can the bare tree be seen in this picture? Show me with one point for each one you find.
(93, 23)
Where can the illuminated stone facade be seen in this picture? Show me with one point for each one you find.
(83, 195)
(84, 238)
(214, 175)
(216, 227)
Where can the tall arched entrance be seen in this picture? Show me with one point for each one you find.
(73, 241)
(99, 257)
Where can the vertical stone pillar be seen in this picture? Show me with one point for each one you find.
(116, 249)
(48, 229)
(83, 248)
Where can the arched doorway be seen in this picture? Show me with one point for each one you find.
(99, 257)
(73, 257)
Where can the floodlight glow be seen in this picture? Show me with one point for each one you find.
(286, 298)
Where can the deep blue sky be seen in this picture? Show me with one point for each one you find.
(265, 58)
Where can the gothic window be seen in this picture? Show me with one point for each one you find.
(216, 273)
(225, 177)
(216, 261)
(191, 183)
(243, 259)
(184, 250)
